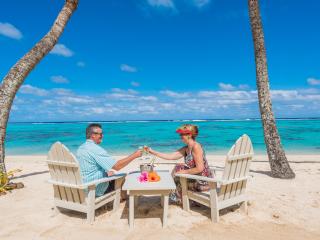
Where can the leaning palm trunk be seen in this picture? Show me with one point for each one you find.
(18, 73)
(278, 162)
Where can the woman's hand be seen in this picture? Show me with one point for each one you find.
(149, 150)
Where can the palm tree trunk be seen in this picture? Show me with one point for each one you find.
(18, 73)
(278, 161)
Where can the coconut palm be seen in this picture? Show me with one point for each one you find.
(18, 73)
(278, 161)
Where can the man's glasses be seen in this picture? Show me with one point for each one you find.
(98, 133)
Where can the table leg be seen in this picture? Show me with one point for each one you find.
(131, 210)
(165, 210)
(162, 200)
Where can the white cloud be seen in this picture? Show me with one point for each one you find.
(81, 64)
(116, 90)
(62, 91)
(201, 3)
(226, 94)
(161, 3)
(171, 4)
(127, 103)
(98, 110)
(313, 81)
(8, 30)
(147, 109)
(127, 68)
(296, 106)
(230, 87)
(226, 86)
(119, 90)
(28, 89)
(149, 98)
(131, 91)
(59, 79)
(284, 94)
(122, 95)
(135, 84)
(310, 91)
(62, 50)
(243, 86)
(76, 99)
(175, 94)
(14, 108)
(168, 106)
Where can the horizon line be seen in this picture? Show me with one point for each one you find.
(167, 120)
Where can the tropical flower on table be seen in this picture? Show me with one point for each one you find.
(143, 177)
(153, 177)
(149, 177)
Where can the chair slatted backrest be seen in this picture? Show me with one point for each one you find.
(237, 166)
(64, 167)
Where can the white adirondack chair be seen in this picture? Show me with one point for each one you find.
(69, 191)
(228, 190)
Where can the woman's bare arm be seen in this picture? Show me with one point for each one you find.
(180, 153)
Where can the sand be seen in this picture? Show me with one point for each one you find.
(278, 209)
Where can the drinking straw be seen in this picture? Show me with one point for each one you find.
(153, 159)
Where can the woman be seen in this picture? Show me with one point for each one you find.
(194, 158)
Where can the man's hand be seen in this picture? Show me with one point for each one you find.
(137, 154)
(110, 173)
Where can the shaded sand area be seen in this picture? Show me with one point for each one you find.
(278, 209)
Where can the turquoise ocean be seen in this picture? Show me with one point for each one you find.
(298, 136)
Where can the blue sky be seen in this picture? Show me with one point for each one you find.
(162, 59)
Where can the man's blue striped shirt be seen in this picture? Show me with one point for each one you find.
(94, 163)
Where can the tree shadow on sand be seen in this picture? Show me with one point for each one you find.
(29, 174)
(80, 215)
(268, 173)
(205, 211)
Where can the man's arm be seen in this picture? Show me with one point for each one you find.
(125, 161)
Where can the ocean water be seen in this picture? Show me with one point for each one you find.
(217, 136)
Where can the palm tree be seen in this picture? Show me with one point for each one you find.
(278, 161)
(18, 73)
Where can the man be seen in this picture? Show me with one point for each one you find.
(96, 163)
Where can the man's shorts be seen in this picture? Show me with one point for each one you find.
(110, 187)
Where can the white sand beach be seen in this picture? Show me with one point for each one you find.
(278, 209)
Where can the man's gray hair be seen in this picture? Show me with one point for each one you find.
(90, 129)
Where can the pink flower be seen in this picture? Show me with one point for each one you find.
(143, 177)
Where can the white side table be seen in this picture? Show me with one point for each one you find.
(135, 188)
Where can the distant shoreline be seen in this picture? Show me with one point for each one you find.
(163, 120)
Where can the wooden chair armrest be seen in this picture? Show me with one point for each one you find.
(224, 182)
(62, 184)
(103, 180)
(216, 168)
(86, 185)
(215, 180)
(196, 177)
